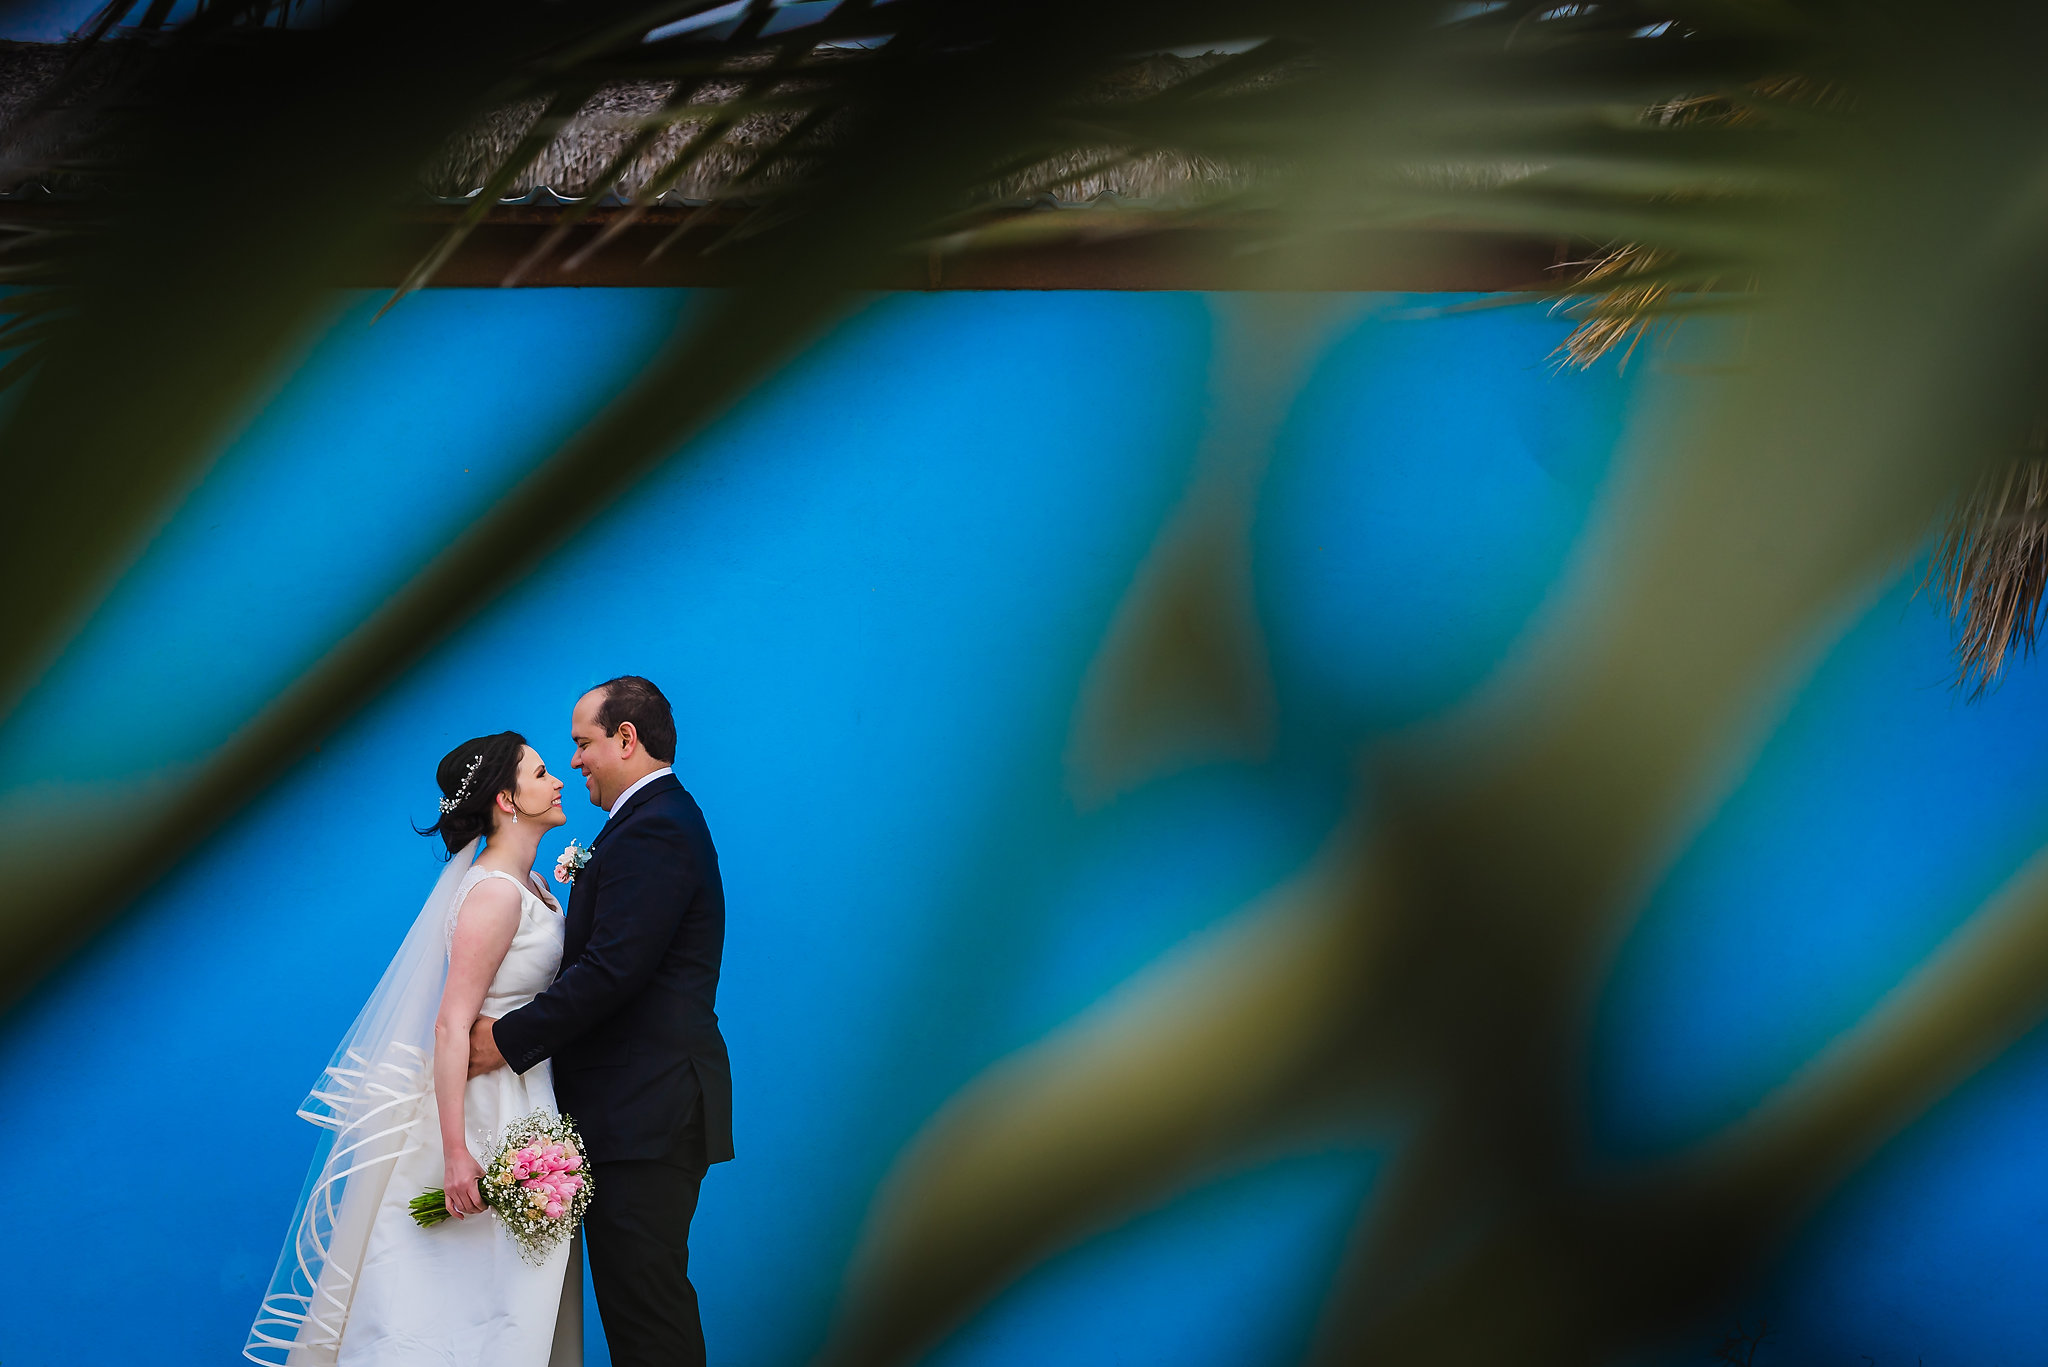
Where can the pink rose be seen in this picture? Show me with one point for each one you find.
(569, 861)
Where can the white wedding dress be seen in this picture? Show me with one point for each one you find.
(381, 1291)
(459, 1292)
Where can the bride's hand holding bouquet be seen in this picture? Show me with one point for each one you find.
(536, 1181)
(460, 1182)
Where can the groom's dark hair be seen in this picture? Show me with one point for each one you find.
(630, 698)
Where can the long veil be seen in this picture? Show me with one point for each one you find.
(363, 1102)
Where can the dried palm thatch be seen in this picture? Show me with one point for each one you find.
(1634, 286)
(1991, 567)
(622, 140)
(1638, 290)
(47, 91)
(584, 157)
(1991, 562)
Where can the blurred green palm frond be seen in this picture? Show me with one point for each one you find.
(896, 130)
(1991, 565)
(1426, 983)
(1635, 288)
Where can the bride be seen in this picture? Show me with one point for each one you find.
(359, 1283)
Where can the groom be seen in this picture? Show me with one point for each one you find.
(629, 1023)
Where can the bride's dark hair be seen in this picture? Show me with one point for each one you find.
(471, 777)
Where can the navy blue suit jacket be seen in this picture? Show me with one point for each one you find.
(630, 1020)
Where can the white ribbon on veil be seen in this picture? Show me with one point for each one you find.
(365, 1100)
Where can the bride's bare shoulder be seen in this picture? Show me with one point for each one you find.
(491, 897)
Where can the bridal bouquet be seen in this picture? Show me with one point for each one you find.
(536, 1182)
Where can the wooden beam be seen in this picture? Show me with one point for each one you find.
(1209, 256)
(1221, 257)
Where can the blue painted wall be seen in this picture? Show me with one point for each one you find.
(871, 593)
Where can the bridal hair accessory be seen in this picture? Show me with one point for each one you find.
(535, 1182)
(449, 804)
(570, 862)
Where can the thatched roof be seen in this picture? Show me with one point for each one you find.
(27, 71)
(1119, 212)
(572, 165)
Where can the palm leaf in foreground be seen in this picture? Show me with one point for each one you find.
(924, 121)
(1511, 846)
(1432, 974)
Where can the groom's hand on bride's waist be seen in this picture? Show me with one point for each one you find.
(483, 1047)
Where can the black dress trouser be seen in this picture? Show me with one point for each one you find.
(638, 1235)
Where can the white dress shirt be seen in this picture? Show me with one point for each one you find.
(642, 782)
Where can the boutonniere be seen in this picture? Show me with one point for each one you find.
(570, 862)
